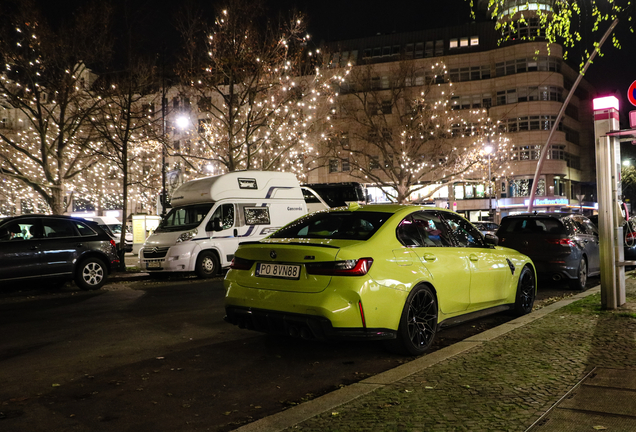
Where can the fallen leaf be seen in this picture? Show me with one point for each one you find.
(429, 388)
(599, 428)
(335, 413)
(55, 385)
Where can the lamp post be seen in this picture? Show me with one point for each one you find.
(488, 150)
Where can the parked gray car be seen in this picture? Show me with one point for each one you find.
(55, 248)
(562, 246)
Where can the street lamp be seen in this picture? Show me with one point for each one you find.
(488, 150)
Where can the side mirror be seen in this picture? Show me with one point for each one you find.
(491, 239)
(216, 224)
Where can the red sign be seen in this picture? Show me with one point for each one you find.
(631, 93)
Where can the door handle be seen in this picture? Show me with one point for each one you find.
(429, 257)
(473, 257)
(79, 245)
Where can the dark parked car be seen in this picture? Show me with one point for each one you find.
(59, 248)
(562, 246)
(486, 227)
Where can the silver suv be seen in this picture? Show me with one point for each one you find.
(55, 248)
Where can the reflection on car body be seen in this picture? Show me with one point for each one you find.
(389, 272)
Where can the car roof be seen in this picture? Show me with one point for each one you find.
(541, 215)
(386, 208)
(32, 215)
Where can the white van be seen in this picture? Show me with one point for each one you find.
(211, 215)
(113, 228)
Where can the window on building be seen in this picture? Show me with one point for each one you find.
(333, 165)
(439, 48)
(419, 49)
(454, 43)
(345, 165)
(428, 51)
(474, 40)
(387, 107)
(408, 51)
(463, 42)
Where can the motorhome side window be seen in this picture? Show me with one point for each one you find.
(225, 213)
(257, 216)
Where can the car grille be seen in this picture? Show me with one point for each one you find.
(157, 252)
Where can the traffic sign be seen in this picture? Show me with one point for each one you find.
(631, 93)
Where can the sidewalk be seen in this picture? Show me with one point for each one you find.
(566, 367)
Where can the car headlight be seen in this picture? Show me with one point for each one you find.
(186, 236)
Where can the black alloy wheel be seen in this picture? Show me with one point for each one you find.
(526, 292)
(581, 276)
(418, 323)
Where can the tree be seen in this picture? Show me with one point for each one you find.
(395, 128)
(567, 22)
(257, 90)
(126, 123)
(45, 87)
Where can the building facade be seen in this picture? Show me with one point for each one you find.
(522, 85)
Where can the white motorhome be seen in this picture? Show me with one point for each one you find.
(212, 215)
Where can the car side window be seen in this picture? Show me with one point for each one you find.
(58, 228)
(464, 232)
(432, 229)
(408, 234)
(24, 229)
(84, 230)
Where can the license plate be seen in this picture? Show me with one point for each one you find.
(153, 264)
(281, 271)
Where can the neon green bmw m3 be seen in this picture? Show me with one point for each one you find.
(396, 273)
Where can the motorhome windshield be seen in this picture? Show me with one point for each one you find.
(183, 218)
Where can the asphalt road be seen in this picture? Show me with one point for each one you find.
(157, 355)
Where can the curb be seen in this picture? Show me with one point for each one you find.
(292, 416)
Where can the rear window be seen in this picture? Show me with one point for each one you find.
(345, 225)
(531, 225)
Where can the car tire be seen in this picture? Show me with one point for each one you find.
(207, 265)
(581, 276)
(91, 274)
(418, 323)
(526, 292)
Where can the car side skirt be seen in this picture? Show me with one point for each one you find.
(299, 325)
(449, 322)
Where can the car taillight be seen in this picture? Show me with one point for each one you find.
(630, 236)
(241, 264)
(562, 242)
(113, 243)
(357, 267)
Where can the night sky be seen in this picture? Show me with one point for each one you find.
(331, 20)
